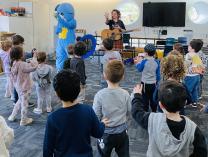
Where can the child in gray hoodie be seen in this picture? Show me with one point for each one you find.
(42, 78)
(170, 134)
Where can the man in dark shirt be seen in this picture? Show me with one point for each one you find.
(170, 134)
(69, 128)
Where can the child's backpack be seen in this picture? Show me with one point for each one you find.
(44, 81)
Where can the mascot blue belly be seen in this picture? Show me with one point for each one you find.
(65, 31)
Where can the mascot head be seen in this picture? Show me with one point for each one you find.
(66, 10)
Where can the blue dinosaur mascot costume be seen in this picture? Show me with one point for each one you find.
(66, 32)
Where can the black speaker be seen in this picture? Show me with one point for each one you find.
(164, 32)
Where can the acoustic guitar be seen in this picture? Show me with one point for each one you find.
(115, 34)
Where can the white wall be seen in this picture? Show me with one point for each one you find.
(90, 16)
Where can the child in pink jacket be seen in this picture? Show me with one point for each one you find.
(20, 72)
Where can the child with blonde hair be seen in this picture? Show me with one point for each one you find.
(173, 68)
(20, 72)
(4, 55)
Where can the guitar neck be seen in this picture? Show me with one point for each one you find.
(128, 31)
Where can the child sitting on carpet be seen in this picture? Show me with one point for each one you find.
(20, 72)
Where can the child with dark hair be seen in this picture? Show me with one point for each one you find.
(179, 47)
(114, 104)
(5, 57)
(150, 68)
(204, 62)
(109, 55)
(69, 128)
(170, 134)
(71, 55)
(43, 78)
(77, 64)
(18, 40)
(20, 76)
(194, 69)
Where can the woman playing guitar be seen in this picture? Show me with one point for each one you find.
(115, 23)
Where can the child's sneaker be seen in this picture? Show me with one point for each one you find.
(11, 118)
(12, 98)
(26, 121)
(30, 104)
(49, 109)
(7, 96)
(37, 111)
(194, 105)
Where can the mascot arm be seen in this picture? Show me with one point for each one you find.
(69, 24)
(58, 28)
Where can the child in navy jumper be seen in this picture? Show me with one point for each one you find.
(150, 68)
(170, 134)
(68, 130)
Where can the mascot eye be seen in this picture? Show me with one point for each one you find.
(62, 14)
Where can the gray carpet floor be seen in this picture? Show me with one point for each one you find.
(28, 140)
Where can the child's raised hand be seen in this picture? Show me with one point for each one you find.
(138, 88)
(105, 121)
(138, 59)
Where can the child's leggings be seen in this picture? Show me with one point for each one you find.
(9, 87)
(23, 104)
(43, 93)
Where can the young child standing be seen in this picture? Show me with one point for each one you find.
(6, 137)
(114, 104)
(109, 53)
(20, 76)
(108, 56)
(5, 57)
(150, 68)
(204, 62)
(194, 69)
(77, 64)
(179, 47)
(173, 68)
(43, 78)
(170, 134)
(69, 128)
(71, 55)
